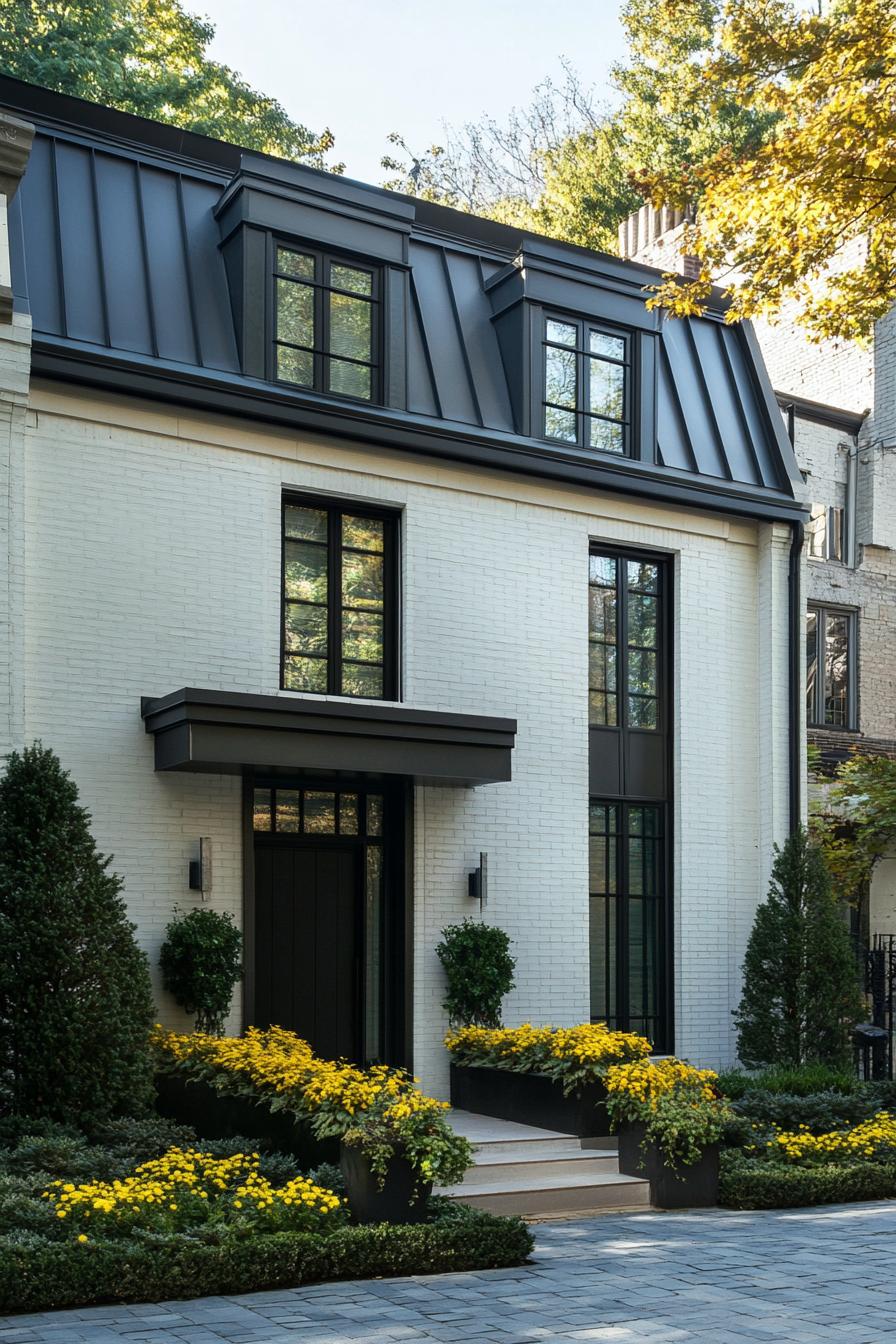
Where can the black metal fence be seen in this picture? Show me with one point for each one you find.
(874, 1053)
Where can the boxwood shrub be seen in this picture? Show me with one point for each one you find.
(38, 1275)
(749, 1183)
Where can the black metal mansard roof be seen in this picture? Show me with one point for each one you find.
(122, 238)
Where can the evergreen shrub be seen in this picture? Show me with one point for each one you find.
(75, 999)
(479, 972)
(801, 996)
(201, 961)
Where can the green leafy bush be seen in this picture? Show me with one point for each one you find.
(201, 961)
(747, 1183)
(75, 1000)
(37, 1274)
(479, 971)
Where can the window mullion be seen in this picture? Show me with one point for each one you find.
(622, 641)
(334, 615)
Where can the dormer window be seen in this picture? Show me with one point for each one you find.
(326, 323)
(586, 385)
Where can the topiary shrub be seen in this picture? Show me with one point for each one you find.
(479, 970)
(201, 961)
(75, 1000)
(801, 992)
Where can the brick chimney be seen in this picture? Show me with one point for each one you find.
(654, 235)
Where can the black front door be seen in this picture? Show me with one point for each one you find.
(327, 918)
(307, 944)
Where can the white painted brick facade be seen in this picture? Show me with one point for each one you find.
(151, 561)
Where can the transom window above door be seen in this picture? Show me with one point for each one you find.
(316, 812)
(339, 600)
(326, 323)
(586, 385)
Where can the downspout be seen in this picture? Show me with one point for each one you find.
(795, 689)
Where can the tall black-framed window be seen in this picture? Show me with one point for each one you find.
(831, 691)
(630, 731)
(327, 324)
(627, 917)
(587, 384)
(625, 630)
(340, 599)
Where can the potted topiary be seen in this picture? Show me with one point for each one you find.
(201, 961)
(670, 1118)
(478, 971)
(394, 1150)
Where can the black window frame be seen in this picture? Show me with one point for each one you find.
(324, 259)
(619, 842)
(335, 510)
(584, 415)
(623, 647)
(815, 704)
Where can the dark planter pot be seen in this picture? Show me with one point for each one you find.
(221, 1117)
(401, 1199)
(530, 1099)
(692, 1187)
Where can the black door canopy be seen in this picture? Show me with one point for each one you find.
(232, 732)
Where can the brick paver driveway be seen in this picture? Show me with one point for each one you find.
(717, 1277)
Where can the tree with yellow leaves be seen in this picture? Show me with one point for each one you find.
(809, 214)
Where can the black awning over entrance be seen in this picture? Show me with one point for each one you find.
(231, 732)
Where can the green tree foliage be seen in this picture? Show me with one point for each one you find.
(147, 57)
(554, 166)
(573, 168)
(479, 971)
(856, 823)
(800, 996)
(201, 961)
(808, 215)
(75, 1000)
(666, 124)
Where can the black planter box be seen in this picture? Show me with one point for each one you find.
(692, 1187)
(400, 1199)
(530, 1099)
(214, 1116)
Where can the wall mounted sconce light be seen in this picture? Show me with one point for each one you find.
(201, 869)
(477, 882)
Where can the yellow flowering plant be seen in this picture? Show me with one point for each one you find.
(379, 1108)
(186, 1189)
(679, 1106)
(574, 1056)
(872, 1140)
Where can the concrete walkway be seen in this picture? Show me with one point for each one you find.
(787, 1277)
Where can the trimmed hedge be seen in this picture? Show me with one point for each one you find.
(747, 1183)
(820, 1112)
(39, 1275)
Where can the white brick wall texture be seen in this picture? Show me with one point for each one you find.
(151, 561)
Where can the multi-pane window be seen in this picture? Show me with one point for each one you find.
(623, 634)
(586, 392)
(626, 916)
(326, 323)
(339, 617)
(825, 532)
(830, 661)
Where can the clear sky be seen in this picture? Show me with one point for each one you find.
(368, 67)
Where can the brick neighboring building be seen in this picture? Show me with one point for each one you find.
(839, 401)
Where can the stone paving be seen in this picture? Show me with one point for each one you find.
(785, 1277)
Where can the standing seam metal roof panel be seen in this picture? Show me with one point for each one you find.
(117, 248)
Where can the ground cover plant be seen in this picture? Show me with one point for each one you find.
(138, 1210)
(787, 1145)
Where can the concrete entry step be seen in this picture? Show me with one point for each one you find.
(538, 1172)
